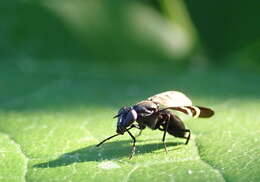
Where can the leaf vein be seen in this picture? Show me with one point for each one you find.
(19, 149)
(207, 163)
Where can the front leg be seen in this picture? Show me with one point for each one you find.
(138, 126)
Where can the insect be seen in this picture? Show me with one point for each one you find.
(155, 113)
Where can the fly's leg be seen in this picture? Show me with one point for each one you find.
(188, 138)
(164, 133)
(133, 149)
(138, 126)
(182, 134)
(132, 126)
(180, 130)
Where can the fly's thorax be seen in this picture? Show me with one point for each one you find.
(146, 108)
(148, 104)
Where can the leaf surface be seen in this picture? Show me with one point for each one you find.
(50, 132)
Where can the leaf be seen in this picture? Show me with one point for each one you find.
(13, 161)
(49, 132)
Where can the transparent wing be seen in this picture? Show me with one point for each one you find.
(194, 111)
(180, 102)
(171, 99)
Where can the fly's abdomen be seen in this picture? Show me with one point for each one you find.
(176, 127)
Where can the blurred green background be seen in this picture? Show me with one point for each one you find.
(66, 67)
(195, 33)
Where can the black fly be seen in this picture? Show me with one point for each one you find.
(154, 113)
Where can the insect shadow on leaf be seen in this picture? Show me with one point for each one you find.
(108, 152)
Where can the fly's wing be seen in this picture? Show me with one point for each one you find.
(205, 112)
(194, 111)
(171, 99)
(178, 101)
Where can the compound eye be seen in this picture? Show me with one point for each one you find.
(124, 110)
(126, 119)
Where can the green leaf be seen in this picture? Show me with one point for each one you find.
(13, 161)
(49, 130)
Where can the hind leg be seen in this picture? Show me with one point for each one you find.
(188, 137)
(181, 133)
(178, 129)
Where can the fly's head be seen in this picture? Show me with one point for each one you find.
(126, 116)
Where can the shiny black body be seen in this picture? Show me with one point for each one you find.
(159, 120)
(154, 112)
